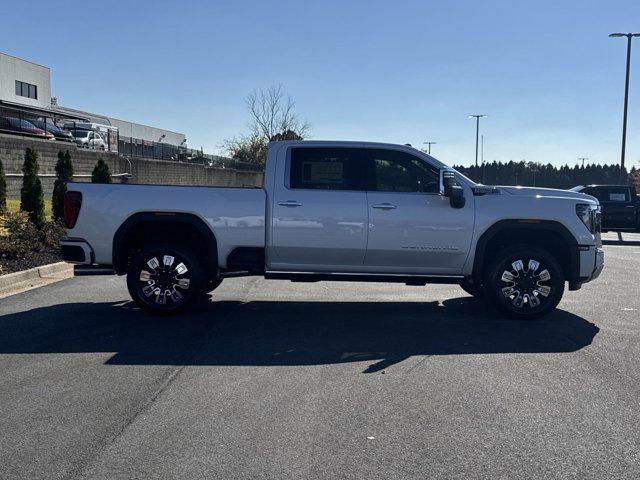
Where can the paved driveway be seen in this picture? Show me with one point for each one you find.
(326, 380)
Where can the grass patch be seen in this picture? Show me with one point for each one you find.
(13, 205)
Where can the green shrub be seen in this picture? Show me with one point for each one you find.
(31, 196)
(64, 174)
(101, 173)
(22, 236)
(51, 233)
(3, 190)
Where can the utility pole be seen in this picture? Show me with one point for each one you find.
(482, 156)
(429, 146)
(477, 117)
(583, 159)
(626, 95)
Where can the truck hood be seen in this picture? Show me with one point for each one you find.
(546, 192)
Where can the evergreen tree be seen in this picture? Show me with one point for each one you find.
(64, 174)
(101, 173)
(3, 190)
(31, 195)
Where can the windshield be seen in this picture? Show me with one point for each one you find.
(471, 182)
(80, 133)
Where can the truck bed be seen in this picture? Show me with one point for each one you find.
(236, 215)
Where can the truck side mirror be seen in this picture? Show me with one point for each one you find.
(449, 188)
(456, 198)
(447, 180)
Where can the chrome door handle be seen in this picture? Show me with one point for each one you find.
(290, 203)
(384, 206)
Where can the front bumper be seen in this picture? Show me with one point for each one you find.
(599, 265)
(77, 251)
(591, 264)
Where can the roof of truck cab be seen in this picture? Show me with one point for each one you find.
(354, 143)
(606, 186)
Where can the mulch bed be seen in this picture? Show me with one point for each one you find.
(32, 260)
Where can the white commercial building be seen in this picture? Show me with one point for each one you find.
(24, 83)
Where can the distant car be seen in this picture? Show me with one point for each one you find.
(13, 124)
(51, 128)
(619, 203)
(89, 139)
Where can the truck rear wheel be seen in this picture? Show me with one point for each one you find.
(165, 280)
(524, 281)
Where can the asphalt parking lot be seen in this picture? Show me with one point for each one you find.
(326, 380)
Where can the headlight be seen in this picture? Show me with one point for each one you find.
(590, 216)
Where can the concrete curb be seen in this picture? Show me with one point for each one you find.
(34, 277)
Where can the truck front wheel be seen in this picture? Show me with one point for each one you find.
(523, 281)
(165, 279)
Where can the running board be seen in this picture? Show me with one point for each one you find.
(418, 280)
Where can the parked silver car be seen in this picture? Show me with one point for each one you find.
(89, 139)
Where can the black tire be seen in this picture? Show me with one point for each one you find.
(473, 289)
(523, 290)
(171, 286)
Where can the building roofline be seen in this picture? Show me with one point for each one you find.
(24, 60)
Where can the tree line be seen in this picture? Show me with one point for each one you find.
(548, 175)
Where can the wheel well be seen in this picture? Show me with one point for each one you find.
(550, 237)
(183, 229)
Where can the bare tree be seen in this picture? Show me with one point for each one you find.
(273, 114)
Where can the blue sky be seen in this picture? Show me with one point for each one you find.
(405, 71)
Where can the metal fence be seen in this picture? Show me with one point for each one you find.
(8, 113)
(134, 147)
(127, 146)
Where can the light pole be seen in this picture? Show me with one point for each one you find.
(583, 159)
(482, 155)
(429, 146)
(626, 95)
(477, 117)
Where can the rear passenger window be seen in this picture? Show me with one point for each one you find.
(326, 169)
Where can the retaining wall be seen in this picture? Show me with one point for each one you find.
(143, 171)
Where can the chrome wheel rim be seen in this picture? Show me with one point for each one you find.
(525, 286)
(164, 280)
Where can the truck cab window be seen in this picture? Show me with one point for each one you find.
(326, 169)
(396, 171)
(617, 195)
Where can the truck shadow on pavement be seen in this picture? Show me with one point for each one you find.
(272, 333)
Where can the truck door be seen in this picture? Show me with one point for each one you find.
(319, 211)
(412, 228)
(618, 209)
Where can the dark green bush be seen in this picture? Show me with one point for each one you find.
(101, 173)
(3, 190)
(64, 174)
(21, 236)
(51, 233)
(31, 196)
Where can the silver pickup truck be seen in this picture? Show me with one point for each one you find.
(340, 211)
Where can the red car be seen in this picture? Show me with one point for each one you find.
(13, 124)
